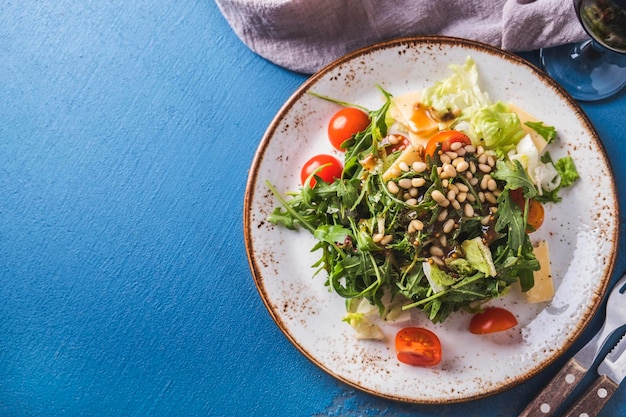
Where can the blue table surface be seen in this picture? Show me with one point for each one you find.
(127, 129)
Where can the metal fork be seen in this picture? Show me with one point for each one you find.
(564, 382)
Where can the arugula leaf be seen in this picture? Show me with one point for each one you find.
(511, 222)
(333, 234)
(515, 176)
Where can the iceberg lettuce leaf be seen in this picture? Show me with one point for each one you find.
(498, 127)
(458, 92)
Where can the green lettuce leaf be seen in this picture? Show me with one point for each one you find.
(479, 256)
(457, 92)
(547, 132)
(497, 127)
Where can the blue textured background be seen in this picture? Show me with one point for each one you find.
(126, 134)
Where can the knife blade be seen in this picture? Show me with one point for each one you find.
(612, 372)
(561, 386)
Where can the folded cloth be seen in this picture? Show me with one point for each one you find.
(305, 35)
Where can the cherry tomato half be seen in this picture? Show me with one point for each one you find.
(418, 347)
(331, 169)
(446, 138)
(344, 124)
(535, 210)
(491, 320)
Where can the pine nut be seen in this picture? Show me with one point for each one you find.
(484, 181)
(416, 225)
(484, 168)
(436, 251)
(386, 239)
(451, 195)
(492, 185)
(461, 197)
(392, 187)
(377, 237)
(419, 166)
(448, 226)
(456, 204)
(462, 166)
(405, 183)
(462, 187)
(470, 149)
(482, 158)
(445, 159)
(490, 198)
(413, 192)
(418, 182)
(442, 215)
(449, 170)
(438, 196)
(443, 241)
(455, 146)
(411, 202)
(468, 210)
(452, 155)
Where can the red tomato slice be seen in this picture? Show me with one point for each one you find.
(536, 212)
(491, 320)
(331, 168)
(418, 347)
(344, 124)
(446, 138)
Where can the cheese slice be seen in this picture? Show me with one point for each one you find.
(543, 290)
(409, 155)
(410, 113)
(524, 117)
(402, 109)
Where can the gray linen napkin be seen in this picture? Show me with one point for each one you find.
(305, 35)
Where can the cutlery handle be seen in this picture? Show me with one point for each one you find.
(557, 390)
(592, 401)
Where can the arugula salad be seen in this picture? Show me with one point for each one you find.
(433, 204)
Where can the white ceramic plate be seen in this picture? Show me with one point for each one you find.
(581, 231)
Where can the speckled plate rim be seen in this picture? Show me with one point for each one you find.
(437, 42)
